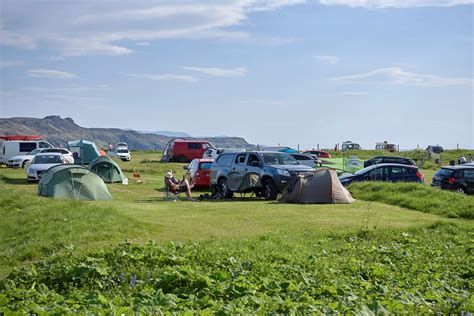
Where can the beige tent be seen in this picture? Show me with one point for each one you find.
(322, 187)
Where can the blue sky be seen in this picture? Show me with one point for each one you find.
(275, 72)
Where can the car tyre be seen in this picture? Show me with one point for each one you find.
(182, 158)
(223, 189)
(270, 190)
(24, 164)
(461, 190)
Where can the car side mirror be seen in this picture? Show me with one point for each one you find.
(255, 164)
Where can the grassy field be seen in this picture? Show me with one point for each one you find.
(371, 255)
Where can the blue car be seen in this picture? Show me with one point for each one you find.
(389, 172)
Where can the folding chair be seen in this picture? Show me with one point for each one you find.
(170, 195)
(137, 177)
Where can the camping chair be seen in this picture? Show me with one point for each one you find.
(137, 177)
(170, 195)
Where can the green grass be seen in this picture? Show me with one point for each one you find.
(416, 197)
(373, 254)
(414, 271)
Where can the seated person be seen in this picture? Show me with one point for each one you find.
(173, 185)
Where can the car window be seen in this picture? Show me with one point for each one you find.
(122, 151)
(444, 173)
(205, 165)
(47, 159)
(399, 170)
(469, 174)
(252, 158)
(240, 158)
(224, 160)
(64, 151)
(301, 157)
(27, 147)
(279, 159)
(378, 172)
(194, 145)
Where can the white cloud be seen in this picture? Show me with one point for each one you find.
(383, 4)
(98, 28)
(10, 63)
(397, 76)
(50, 74)
(219, 72)
(327, 59)
(165, 77)
(142, 43)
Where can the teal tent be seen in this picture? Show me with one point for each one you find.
(73, 182)
(83, 151)
(108, 169)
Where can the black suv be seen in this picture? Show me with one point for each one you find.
(388, 159)
(457, 178)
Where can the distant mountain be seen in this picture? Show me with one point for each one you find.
(59, 130)
(167, 133)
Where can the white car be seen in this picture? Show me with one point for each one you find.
(43, 162)
(123, 154)
(22, 160)
(212, 153)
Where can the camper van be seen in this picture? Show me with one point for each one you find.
(11, 148)
(185, 150)
(349, 145)
(386, 146)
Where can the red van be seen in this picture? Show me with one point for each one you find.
(182, 150)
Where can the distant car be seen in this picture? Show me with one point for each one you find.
(386, 146)
(22, 160)
(388, 172)
(43, 162)
(318, 153)
(199, 172)
(388, 159)
(434, 149)
(307, 159)
(185, 150)
(123, 154)
(122, 145)
(458, 178)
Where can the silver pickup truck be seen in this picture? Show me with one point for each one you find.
(263, 172)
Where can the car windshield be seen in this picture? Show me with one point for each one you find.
(47, 159)
(205, 165)
(34, 152)
(279, 159)
(362, 171)
(122, 151)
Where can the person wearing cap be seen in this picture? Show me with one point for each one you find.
(173, 185)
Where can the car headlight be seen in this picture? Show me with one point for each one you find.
(283, 172)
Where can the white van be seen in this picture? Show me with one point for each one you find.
(212, 153)
(11, 148)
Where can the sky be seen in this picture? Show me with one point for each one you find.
(290, 72)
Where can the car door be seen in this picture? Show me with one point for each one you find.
(237, 172)
(378, 174)
(397, 174)
(304, 160)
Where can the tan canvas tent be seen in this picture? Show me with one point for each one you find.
(322, 187)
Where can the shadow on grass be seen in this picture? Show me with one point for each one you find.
(14, 180)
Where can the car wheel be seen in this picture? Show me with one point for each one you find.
(182, 158)
(223, 189)
(270, 190)
(24, 164)
(461, 190)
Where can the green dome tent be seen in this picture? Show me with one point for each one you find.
(108, 169)
(83, 151)
(73, 182)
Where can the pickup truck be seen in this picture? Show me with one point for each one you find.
(262, 172)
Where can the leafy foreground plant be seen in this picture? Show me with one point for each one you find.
(416, 197)
(419, 271)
